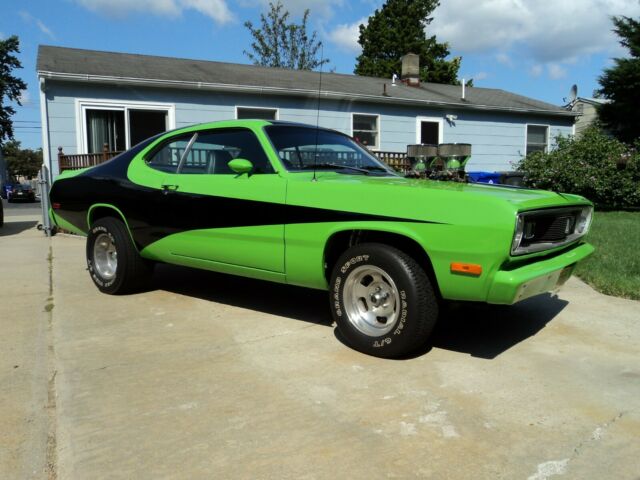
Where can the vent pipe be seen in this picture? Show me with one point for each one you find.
(463, 88)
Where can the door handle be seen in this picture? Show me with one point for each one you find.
(169, 188)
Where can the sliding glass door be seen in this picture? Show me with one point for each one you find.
(105, 127)
(120, 126)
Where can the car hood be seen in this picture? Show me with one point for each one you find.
(419, 199)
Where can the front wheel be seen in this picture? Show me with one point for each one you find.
(114, 264)
(382, 301)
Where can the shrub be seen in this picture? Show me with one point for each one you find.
(594, 165)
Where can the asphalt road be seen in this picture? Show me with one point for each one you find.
(21, 208)
(210, 376)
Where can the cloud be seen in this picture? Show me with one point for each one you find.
(346, 35)
(556, 71)
(322, 9)
(536, 70)
(28, 18)
(215, 9)
(480, 76)
(504, 59)
(550, 31)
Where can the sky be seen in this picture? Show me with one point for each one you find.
(536, 48)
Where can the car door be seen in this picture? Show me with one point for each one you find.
(218, 215)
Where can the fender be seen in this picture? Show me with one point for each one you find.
(120, 215)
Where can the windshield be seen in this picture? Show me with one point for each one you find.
(306, 148)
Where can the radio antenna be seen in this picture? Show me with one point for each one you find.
(315, 153)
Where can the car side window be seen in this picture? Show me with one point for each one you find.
(212, 150)
(167, 158)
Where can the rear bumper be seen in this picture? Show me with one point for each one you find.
(512, 286)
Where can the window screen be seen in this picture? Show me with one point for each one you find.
(537, 136)
(365, 130)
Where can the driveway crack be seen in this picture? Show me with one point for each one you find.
(51, 452)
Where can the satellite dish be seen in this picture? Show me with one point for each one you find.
(573, 93)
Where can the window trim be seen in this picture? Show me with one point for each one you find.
(375, 148)
(526, 134)
(438, 120)
(273, 109)
(84, 104)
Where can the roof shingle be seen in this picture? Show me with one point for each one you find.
(100, 66)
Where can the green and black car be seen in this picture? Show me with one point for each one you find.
(308, 206)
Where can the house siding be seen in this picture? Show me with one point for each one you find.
(498, 139)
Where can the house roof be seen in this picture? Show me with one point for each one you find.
(74, 64)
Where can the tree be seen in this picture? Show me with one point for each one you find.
(621, 85)
(22, 162)
(398, 28)
(280, 44)
(10, 86)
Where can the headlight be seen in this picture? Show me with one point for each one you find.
(584, 221)
(539, 230)
(517, 237)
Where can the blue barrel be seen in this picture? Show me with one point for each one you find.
(484, 177)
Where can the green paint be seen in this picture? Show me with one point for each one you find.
(240, 165)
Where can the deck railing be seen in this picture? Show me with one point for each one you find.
(396, 160)
(83, 160)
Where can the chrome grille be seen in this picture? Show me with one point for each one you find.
(549, 228)
(544, 229)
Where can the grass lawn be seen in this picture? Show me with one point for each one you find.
(614, 268)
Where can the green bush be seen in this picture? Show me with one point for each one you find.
(594, 165)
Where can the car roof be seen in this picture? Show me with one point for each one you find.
(244, 123)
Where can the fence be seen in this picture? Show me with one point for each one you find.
(83, 160)
(396, 160)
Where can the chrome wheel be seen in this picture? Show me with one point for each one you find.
(371, 300)
(105, 256)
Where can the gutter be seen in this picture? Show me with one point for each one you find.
(225, 87)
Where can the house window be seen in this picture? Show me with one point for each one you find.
(119, 125)
(429, 130)
(537, 138)
(365, 130)
(255, 113)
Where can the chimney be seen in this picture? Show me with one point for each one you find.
(411, 70)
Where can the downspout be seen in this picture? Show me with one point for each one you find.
(44, 120)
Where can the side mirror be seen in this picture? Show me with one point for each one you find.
(240, 166)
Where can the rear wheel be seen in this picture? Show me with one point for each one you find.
(114, 264)
(382, 300)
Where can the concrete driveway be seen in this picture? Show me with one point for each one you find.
(208, 376)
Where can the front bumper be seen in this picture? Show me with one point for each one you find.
(511, 286)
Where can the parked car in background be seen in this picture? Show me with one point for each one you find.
(308, 206)
(21, 192)
(1, 214)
